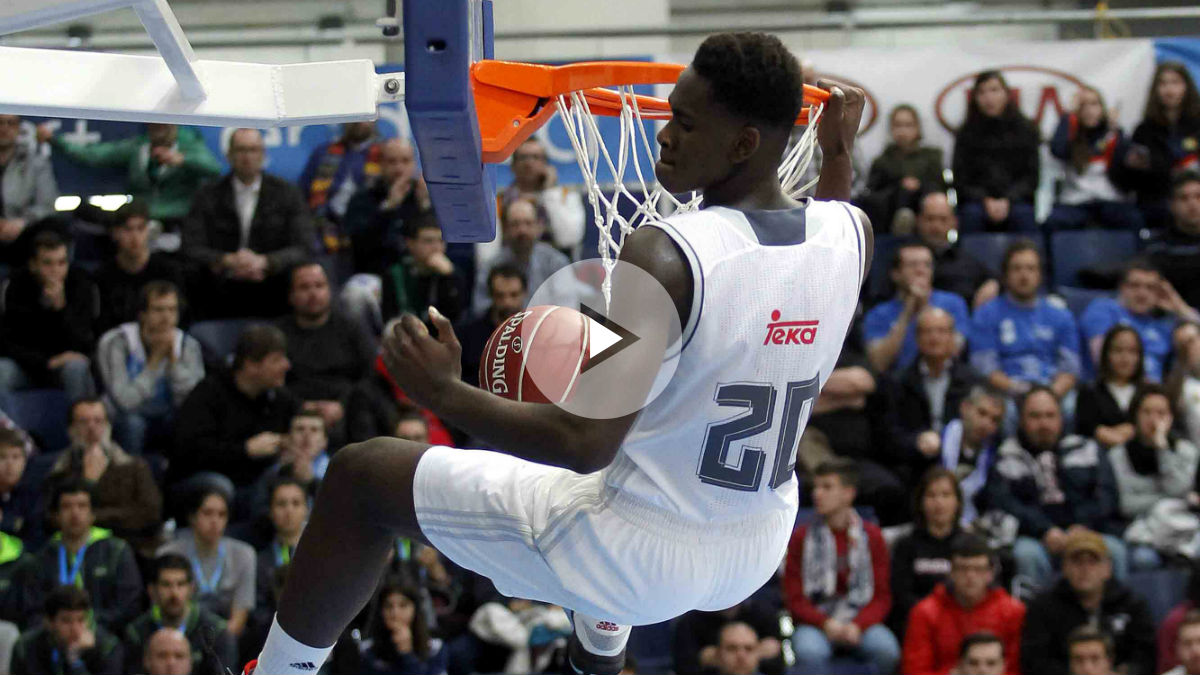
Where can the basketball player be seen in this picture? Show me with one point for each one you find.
(688, 504)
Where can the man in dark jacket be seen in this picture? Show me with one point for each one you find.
(1053, 485)
(1087, 594)
(506, 286)
(954, 270)
(50, 322)
(67, 644)
(1177, 255)
(89, 557)
(233, 423)
(172, 591)
(132, 266)
(926, 395)
(247, 229)
(381, 213)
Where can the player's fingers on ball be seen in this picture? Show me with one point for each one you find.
(445, 330)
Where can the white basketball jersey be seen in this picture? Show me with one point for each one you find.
(774, 295)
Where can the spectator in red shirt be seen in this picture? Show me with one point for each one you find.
(836, 581)
(967, 603)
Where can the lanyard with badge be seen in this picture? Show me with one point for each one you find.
(209, 585)
(283, 554)
(68, 576)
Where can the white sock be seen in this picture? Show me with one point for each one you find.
(602, 638)
(283, 655)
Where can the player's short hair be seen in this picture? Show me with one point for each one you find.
(1019, 246)
(46, 240)
(70, 487)
(257, 342)
(844, 468)
(137, 208)
(983, 637)
(1085, 634)
(898, 254)
(506, 271)
(69, 598)
(1183, 178)
(970, 546)
(752, 75)
(172, 561)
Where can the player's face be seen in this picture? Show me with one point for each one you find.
(1041, 420)
(1123, 355)
(971, 577)
(1185, 207)
(1089, 658)
(983, 659)
(830, 495)
(1170, 89)
(940, 503)
(1023, 275)
(1153, 414)
(1188, 647)
(1139, 291)
(694, 145)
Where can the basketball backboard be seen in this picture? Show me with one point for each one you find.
(442, 39)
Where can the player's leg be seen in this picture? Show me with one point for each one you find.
(364, 503)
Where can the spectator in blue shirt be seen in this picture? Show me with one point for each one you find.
(1021, 338)
(1148, 303)
(890, 327)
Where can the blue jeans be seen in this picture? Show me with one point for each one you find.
(813, 650)
(1033, 560)
(972, 219)
(74, 377)
(1109, 215)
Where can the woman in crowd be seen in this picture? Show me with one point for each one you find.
(921, 560)
(995, 161)
(1183, 382)
(224, 568)
(1165, 142)
(1085, 141)
(902, 174)
(1102, 409)
(398, 639)
(1152, 468)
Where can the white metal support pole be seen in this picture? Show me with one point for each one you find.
(173, 45)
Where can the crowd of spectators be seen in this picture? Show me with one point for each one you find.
(1053, 454)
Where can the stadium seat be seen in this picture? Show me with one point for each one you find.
(41, 412)
(651, 646)
(989, 247)
(218, 338)
(1078, 299)
(1162, 589)
(1077, 250)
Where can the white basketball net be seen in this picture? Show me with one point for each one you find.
(628, 178)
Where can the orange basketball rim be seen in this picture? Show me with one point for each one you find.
(513, 100)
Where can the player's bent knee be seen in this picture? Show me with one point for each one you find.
(374, 478)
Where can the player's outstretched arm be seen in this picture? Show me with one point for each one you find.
(835, 134)
(428, 369)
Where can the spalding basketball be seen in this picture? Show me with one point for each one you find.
(557, 337)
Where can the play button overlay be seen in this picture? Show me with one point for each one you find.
(606, 339)
(633, 340)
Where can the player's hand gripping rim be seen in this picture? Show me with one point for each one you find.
(839, 122)
(423, 366)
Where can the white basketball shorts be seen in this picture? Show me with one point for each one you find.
(556, 536)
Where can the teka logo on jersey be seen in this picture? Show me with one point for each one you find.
(607, 626)
(499, 384)
(790, 332)
(1041, 93)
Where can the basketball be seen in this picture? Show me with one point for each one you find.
(557, 337)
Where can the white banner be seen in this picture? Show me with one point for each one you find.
(936, 80)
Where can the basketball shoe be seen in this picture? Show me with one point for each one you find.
(596, 647)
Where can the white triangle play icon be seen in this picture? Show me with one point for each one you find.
(601, 338)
